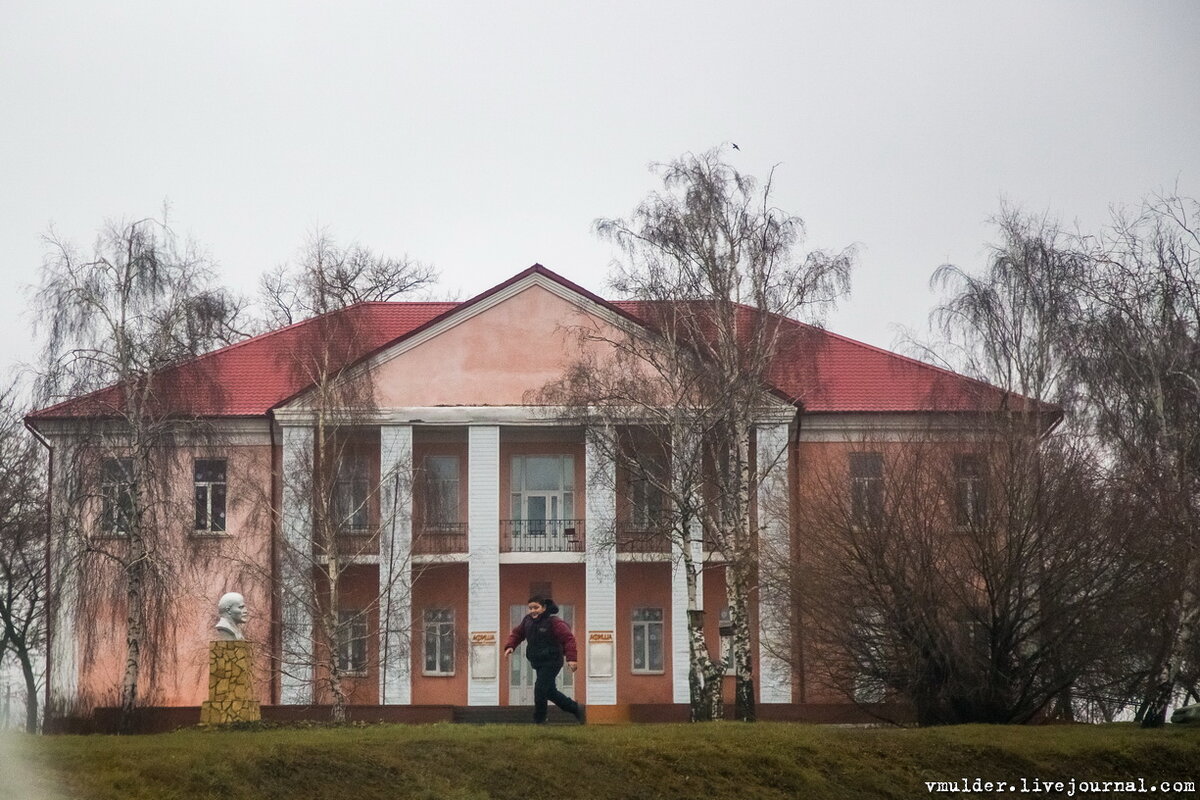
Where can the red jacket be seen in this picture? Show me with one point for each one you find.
(559, 629)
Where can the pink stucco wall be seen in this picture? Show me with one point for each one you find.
(203, 568)
(493, 358)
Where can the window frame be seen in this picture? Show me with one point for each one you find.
(436, 488)
(117, 485)
(725, 640)
(560, 503)
(866, 487)
(970, 490)
(352, 474)
(647, 502)
(647, 625)
(209, 487)
(353, 633)
(443, 629)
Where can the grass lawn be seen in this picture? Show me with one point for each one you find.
(642, 762)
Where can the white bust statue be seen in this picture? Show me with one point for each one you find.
(232, 610)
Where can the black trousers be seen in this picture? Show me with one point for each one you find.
(545, 690)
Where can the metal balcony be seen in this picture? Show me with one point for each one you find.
(541, 536)
(643, 539)
(440, 539)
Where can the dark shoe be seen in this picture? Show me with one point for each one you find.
(581, 713)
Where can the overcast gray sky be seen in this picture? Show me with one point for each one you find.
(484, 137)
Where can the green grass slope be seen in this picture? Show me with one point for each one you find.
(673, 762)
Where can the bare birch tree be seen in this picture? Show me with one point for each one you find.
(23, 528)
(716, 271)
(341, 495)
(328, 276)
(114, 324)
(1138, 369)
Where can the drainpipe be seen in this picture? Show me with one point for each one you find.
(51, 595)
(793, 501)
(276, 611)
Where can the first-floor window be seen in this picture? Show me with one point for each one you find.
(116, 493)
(352, 641)
(869, 631)
(647, 640)
(209, 485)
(725, 629)
(439, 641)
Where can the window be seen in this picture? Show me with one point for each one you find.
(350, 493)
(646, 501)
(543, 489)
(647, 640)
(209, 483)
(725, 629)
(870, 630)
(970, 495)
(441, 492)
(352, 641)
(439, 641)
(866, 488)
(116, 493)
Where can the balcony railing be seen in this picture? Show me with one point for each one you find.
(541, 536)
(642, 539)
(440, 539)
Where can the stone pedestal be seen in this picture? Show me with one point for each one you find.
(230, 687)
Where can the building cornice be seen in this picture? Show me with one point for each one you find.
(517, 415)
(208, 432)
(891, 427)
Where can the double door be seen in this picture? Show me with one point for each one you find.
(521, 675)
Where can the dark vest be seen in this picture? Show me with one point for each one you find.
(541, 645)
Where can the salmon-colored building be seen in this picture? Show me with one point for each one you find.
(509, 503)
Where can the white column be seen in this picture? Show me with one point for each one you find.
(680, 658)
(601, 572)
(395, 564)
(296, 569)
(64, 579)
(774, 612)
(685, 454)
(483, 564)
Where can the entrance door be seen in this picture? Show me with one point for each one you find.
(521, 675)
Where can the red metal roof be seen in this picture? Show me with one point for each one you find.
(821, 371)
(251, 377)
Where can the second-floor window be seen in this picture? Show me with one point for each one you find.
(116, 495)
(866, 488)
(645, 496)
(970, 495)
(209, 490)
(440, 492)
(350, 493)
(543, 489)
(352, 641)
